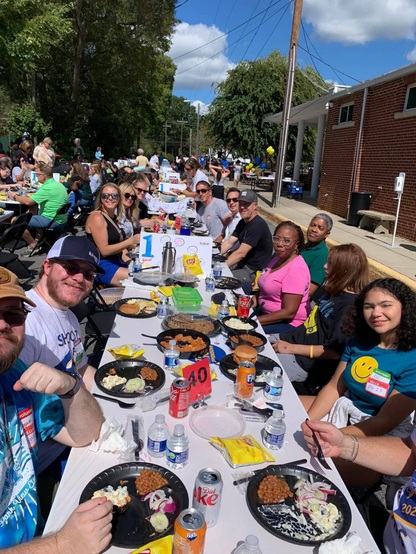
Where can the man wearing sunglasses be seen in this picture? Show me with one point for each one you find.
(213, 212)
(38, 402)
(255, 242)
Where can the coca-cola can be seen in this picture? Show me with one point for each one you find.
(208, 494)
(243, 308)
(180, 397)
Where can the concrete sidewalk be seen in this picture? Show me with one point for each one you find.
(398, 262)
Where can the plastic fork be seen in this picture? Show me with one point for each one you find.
(119, 402)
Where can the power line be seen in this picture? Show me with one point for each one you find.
(273, 30)
(255, 34)
(329, 65)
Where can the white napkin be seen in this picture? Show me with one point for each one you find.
(349, 544)
(111, 438)
(130, 283)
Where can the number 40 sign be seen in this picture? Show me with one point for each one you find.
(199, 375)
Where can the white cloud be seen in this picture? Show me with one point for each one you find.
(411, 56)
(202, 69)
(358, 22)
(203, 108)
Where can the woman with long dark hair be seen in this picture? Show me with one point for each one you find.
(373, 391)
(310, 353)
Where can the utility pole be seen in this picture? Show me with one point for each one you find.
(197, 133)
(182, 123)
(166, 137)
(190, 142)
(284, 132)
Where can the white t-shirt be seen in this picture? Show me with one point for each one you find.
(232, 225)
(53, 337)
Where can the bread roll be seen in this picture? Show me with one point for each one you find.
(245, 353)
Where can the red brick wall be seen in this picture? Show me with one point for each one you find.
(388, 146)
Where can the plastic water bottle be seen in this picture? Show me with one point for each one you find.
(223, 310)
(162, 308)
(274, 430)
(250, 546)
(217, 269)
(210, 283)
(171, 356)
(177, 451)
(274, 384)
(137, 265)
(157, 437)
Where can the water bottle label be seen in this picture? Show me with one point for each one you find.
(177, 457)
(171, 361)
(156, 446)
(273, 391)
(275, 440)
(217, 272)
(162, 310)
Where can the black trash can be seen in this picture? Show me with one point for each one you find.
(359, 201)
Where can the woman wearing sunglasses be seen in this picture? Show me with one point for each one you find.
(284, 285)
(103, 228)
(130, 217)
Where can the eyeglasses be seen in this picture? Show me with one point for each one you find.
(229, 200)
(74, 269)
(129, 196)
(140, 191)
(14, 318)
(112, 195)
(283, 240)
(202, 191)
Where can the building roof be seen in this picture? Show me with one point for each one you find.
(310, 111)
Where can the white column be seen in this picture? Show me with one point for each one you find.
(299, 147)
(318, 155)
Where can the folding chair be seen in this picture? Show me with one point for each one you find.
(55, 232)
(9, 241)
(98, 323)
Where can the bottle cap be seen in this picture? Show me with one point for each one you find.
(252, 540)
(278, 370)
(280, 414)
(179, 429)
(172, 342)
(160, 418)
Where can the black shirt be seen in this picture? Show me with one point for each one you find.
(143, 211)
(256, 234)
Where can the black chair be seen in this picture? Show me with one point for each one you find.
(98, 324)
(49, 234)
(9, 240)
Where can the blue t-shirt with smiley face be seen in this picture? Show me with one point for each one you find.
(373, 372)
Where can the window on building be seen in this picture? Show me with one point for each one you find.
(410, 98)
(346, 113)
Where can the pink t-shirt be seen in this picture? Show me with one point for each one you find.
(293, 278)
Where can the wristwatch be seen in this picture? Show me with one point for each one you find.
(75, 388)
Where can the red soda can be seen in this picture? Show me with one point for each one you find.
(189, 532)
(207, 494)
(180, 397)
(243, 308)
(156, 227)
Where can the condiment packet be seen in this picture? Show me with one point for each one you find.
(111, 439)
(127, 352)
(242, 451)
(159, 546)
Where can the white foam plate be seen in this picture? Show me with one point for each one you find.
(216, 421)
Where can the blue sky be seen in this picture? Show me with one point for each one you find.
(360, 39)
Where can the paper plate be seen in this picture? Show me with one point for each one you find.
(216, 421)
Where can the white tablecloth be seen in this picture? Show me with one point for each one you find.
(235, 519)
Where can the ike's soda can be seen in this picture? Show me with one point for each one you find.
(244, 382)
(243, 308)
(180, 397)
(156, 227)
(207, 494)
(189, 532)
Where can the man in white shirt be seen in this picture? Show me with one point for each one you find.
(213, 211)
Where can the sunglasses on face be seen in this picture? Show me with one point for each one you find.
(74, 269)
(113, 195)
(129, 196)
(140, 191)
(229, 200)
(202, 191)
(14, 317)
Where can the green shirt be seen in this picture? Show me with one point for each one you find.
(315, 257)
(51, 197)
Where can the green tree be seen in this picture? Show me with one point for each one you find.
(251, 91)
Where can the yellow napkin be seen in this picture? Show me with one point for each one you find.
(126, 351)
(242, 451)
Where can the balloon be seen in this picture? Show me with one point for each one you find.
(250, 166)
(256, 160)
(270, 150)
(263, 166)
(247, 168)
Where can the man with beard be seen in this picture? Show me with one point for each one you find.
(53, 334)
(39, 402)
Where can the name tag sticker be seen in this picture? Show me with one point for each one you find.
(378, 383)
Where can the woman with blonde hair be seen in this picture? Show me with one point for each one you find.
(103, 228)
(129, 219)
(311, 352)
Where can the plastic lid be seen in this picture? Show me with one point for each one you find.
(280, 414)
(224, 303)
(160, 418)
(179, 429)
(277, 370)
(252, 540)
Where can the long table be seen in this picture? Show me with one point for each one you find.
(235, 519)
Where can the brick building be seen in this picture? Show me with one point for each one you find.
(366, 137)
